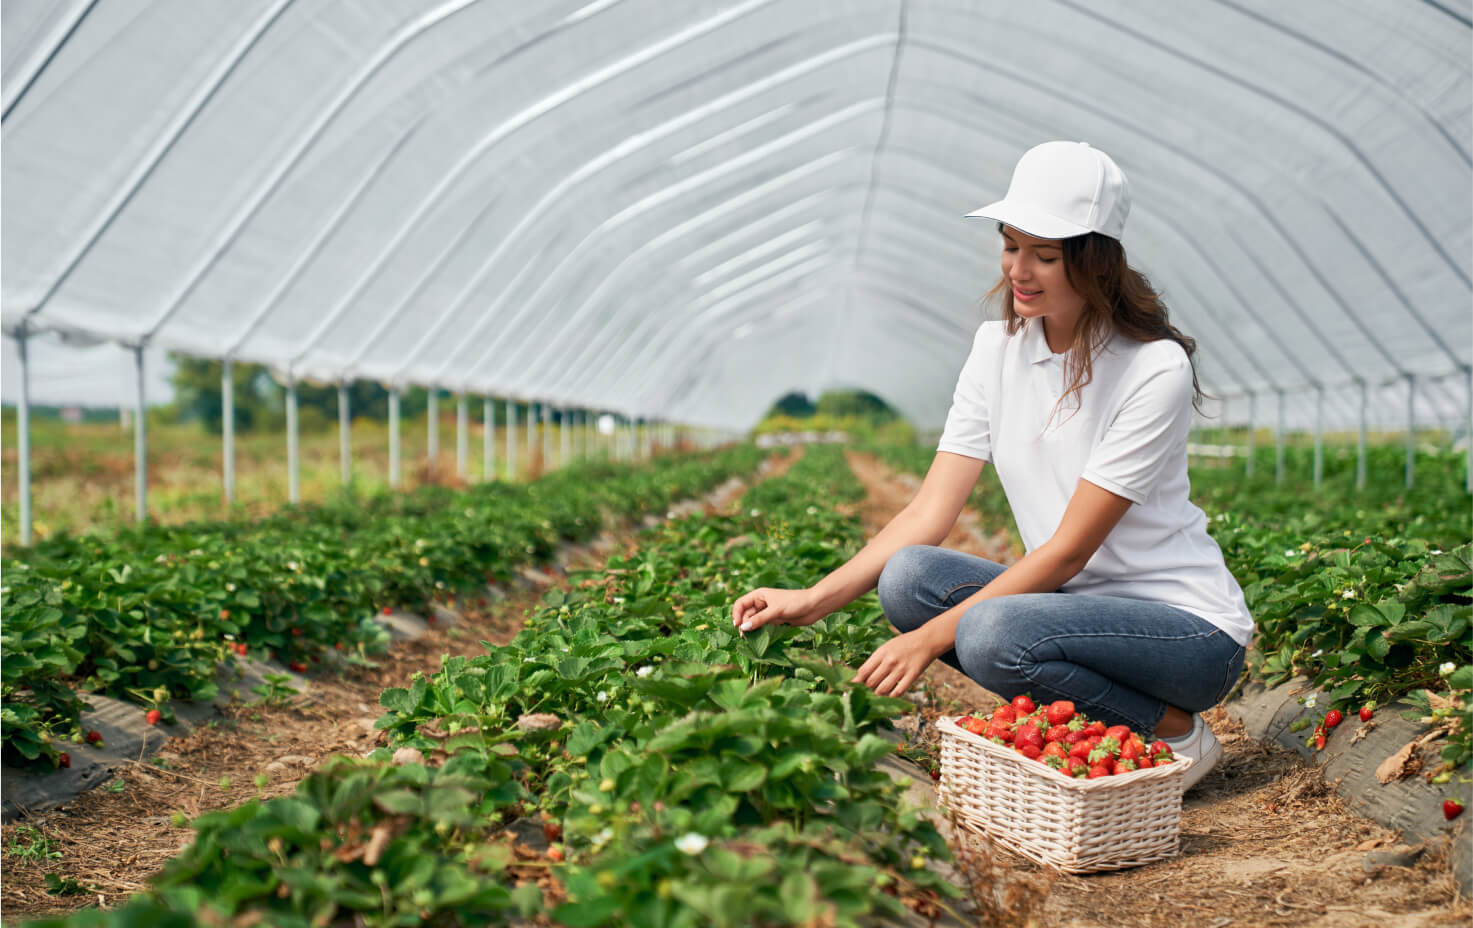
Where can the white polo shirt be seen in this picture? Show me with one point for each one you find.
(1128, 436)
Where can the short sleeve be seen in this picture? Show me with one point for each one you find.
(1148, 431)
(968, 429)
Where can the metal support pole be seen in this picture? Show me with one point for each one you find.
(432, 426)
(546, 437)
(565, 438)
(1411, 430)
(511, 441)
(23, 438)
(1319, 442)
(488, 438)
(1360, 450)
(462, 437)
(396, 463)
(227, 416)
(140, 444)
(345, 423)
(532, 434)
(1279, 442)
(293, 453)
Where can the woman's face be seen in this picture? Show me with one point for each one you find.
(1034, 268)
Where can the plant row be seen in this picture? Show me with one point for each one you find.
(1366, 592)
(686, 775)
(148, 615)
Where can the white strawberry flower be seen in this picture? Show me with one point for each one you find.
(755, 513)
(603, 837)
(1447, 668)
(813, 510)
(230, 588)
(1289, 552)
(1435, 551)
(1318, 652)
(1310, 702)
(691, 843)
(645, 671)
(1348, 594)
(293, 565)
(603, 696)
(618, 599)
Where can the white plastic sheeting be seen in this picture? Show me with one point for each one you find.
(682, 211)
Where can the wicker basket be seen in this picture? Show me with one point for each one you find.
(1078, 826)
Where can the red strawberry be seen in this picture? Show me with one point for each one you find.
(1319, 739)
(1366, 712)
(1060, 712)
(1333, 717)
(1132, 749)
(1056, 733)
(1120, 733)
(1100, 757)
(975, 726)
(555, 853)
(1030, 751)
(1054, 761)
(1077, 768)
(224, 614)
(999, 731)
(1023, 705)
(298, 666)
(1157, 747)
(1080, 749)
(1095, 728)
(552, 831)
(65, 760)
(1143, 762)
(1028, 734)
(388, 611)
(339, 645)
(94, 737)
(152, 716)
(935, 774)
(1055, 749)
(1004, 714)
(1074, 737)
(1097, 770)
(1451, 808)
(296, 632)
(1125, 764)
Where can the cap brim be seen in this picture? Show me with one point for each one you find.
(1033, 221)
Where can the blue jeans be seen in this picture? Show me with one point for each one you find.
(1121, 660)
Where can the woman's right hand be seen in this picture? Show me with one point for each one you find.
(767, 606)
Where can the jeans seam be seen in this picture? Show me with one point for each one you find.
(952, 592)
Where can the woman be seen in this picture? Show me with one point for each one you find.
(1081, 397)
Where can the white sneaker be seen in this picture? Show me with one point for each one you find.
(1201, 746)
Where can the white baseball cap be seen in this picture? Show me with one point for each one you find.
(1063, 189)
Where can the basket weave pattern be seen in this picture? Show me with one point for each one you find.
(1078, 826)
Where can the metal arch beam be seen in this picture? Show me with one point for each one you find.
(1304, 113)
(1186, 157)
(693, 360)
(599, 345)
(654, 356)
(655, 200)
(525, 116)
(33, 71)
(906, 153)
(155, 155)
(1331, 52)
(307, 255)
(614, 156)
(928, 43)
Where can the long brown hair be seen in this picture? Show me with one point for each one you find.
(1117, 298)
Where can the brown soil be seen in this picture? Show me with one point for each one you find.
(1264, 840)
(112, 839)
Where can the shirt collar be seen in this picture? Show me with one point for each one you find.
(1035, 343)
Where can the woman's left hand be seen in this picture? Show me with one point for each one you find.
(897, 663)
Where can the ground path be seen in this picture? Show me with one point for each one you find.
(1264, 841)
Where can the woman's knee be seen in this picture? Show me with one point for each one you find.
(899, 586)
(987, 648)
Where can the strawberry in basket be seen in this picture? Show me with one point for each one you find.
(1060, 737)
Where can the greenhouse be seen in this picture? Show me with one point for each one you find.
(421, 416)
